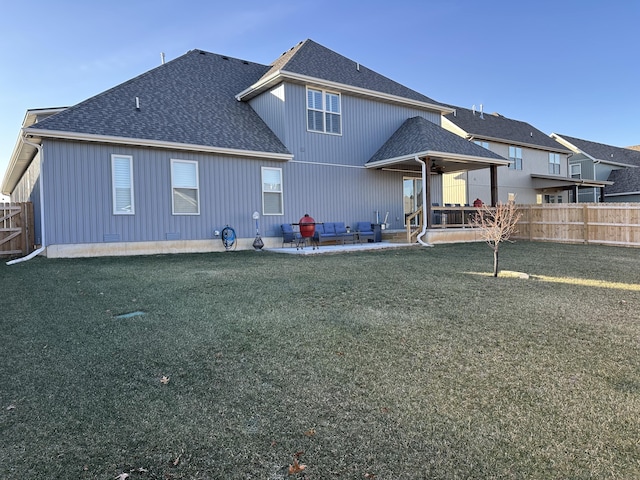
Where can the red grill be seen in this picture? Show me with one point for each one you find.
(307, 226)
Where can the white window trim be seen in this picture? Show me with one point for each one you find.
(578, 170)
(115, 156)
(514, 160)
(263, 191)
(554, 156)
(324, 110)
(173, 209)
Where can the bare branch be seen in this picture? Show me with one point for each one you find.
(497, 224)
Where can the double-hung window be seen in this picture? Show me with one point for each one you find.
(554, 163)
(185, 194)
(323, 112)
(122, 184)
(515, 155)
(272, 191)
(576, 170)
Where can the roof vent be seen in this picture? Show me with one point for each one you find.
(481, 112)
(531, 134)
(358, 66)
(225, 58)
(202, 53)
(162, 57)
(245, 62)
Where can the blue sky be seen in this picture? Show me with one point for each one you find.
(564, 66)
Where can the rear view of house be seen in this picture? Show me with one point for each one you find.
(163, 161)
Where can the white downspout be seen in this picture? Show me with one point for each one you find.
(425, 179)
(43, 245)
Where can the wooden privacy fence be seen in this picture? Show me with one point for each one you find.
(601, 223)
(16, 229)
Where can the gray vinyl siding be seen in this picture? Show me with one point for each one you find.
(229, 187)
(366, 125)
(340, 194)
(270, 107)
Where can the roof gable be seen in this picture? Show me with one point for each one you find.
(497, 127)
(190, 100)
(312, 60)
(603, 152)
(418, 135)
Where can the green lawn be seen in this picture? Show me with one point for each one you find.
(396, 364)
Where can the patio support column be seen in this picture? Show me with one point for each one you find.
(575, 194)
(494, 184)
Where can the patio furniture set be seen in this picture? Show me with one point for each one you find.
(317, 233)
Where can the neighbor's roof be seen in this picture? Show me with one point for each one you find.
(417, 136)
(495, 127)
(626, 180)
(309, 61)
(601, 151)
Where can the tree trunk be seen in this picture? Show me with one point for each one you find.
(495, 262)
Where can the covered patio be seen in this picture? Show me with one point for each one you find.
(553, 183)
(422, 148)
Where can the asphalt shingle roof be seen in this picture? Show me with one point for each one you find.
(418, 134)
(314, 60)
(626, 179)
(600, 151)
(493, 125)
(190, 100)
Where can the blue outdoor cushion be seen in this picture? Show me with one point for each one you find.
(319, 228)
(329, 228)
(287, 228)
(363, 227)
(340, 228)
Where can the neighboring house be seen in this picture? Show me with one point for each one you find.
(538, 171)
(164, 160)
(4, 198)
(598, 161)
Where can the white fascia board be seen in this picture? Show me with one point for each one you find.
(455, 157)
(281, 75)
(143, 142)
(566, 143)
(392, 161)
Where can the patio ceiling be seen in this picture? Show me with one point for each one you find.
(548, 182)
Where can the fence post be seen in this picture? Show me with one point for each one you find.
(585, 219)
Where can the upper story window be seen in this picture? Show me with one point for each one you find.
(554, 163)
(122, 184)
(185, 194)
(576, 170)
(515, 155)
(482, 144)
(323, 112)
